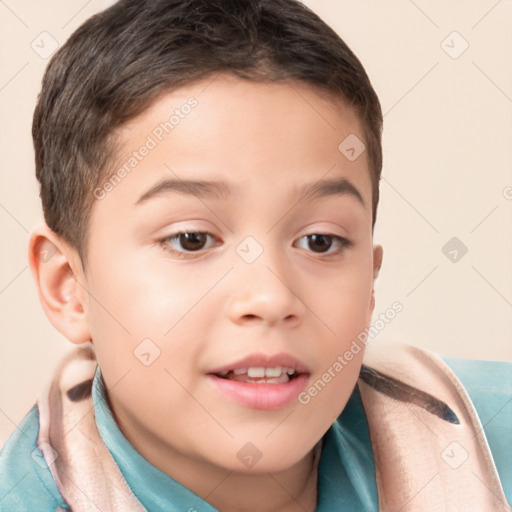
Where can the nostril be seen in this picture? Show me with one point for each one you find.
(250, 317)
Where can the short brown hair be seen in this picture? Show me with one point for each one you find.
(120, 60)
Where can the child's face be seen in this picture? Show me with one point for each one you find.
(222, 301)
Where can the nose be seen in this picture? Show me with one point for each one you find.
(265, 293)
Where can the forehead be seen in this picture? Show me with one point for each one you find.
(229, 101)
(254, 136)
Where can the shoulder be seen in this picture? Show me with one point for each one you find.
(26, 483)
(489, 386)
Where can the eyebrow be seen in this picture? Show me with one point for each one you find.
(334, 187)
(199, 188)
(220, 189)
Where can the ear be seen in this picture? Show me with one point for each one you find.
(378, 253)
(59, 278)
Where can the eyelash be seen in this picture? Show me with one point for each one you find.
(341, 242)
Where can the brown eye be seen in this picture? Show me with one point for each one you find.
(324, 244)
(319, 243)
(192, 241)
(187, 242)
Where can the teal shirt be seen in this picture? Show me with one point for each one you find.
(346, 478)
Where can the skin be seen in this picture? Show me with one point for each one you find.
(209, 307)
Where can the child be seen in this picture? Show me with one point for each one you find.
(209, 176)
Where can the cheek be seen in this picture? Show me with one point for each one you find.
(142, 314)
(342, 307)
(329, 390)
(342, 299)
(144, 297)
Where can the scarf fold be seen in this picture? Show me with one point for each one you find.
(429, 446)
(81, 465)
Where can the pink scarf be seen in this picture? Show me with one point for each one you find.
(428, 443)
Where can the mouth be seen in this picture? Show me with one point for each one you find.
(262, 382)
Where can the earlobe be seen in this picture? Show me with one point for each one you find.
(58, 285)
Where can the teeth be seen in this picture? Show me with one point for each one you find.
(255, 372)
(260, 372)
(273, 372)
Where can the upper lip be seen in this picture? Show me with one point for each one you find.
(260, 360)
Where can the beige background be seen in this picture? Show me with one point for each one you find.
(447, 173)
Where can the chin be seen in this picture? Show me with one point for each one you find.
(264, 456)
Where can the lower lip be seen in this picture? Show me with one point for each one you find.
(261, 396)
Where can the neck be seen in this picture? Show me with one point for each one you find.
(290, 490)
